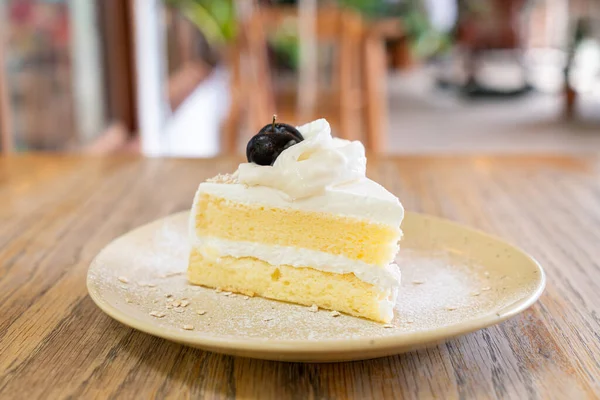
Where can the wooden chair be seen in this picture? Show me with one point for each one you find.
(6, 136)
(250, 83)
(374, 70)
(357, 91)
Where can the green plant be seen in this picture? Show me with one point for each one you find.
(214, 18)
(426, 40)
(286, 44)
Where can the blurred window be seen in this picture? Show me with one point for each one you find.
(52, 71)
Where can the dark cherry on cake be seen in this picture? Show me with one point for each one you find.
(270, 141)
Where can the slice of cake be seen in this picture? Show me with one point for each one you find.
(308, 229)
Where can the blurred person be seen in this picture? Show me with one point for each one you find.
(487, 36)
(443, 14)
(493, 26)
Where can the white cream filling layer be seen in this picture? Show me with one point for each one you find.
(386, 306)
(364, 200)
(384, 278)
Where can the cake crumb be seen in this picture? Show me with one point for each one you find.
(170, 274)
(268, 319)
(200, 312)
(218, 290)
(388, 326)
(123, 279)
(179, 310)
(486, 288)
(335, 313)
(168, 295)
(176, 303)
(475, 294)
(313, 308)
(157, 314)
(188, 327)
(185, 303)
(409, 321)
(151, 285)
(245, 297)
(226, 293)
(223, 178)
(169, 307)
(418, 282)
(233, 295)
(451, 308)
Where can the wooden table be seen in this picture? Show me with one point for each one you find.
(58, 212)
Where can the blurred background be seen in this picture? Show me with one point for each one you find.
(197, 78)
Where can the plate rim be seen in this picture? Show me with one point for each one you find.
(330, 345)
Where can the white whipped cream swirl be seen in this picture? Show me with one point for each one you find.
(307, 168)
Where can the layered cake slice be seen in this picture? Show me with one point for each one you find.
(301, 223)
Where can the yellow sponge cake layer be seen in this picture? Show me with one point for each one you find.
(372, 243)
(307, 286)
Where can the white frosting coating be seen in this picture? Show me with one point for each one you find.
(386, 278)
(307, 168)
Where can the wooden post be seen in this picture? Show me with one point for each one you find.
(374, 80)
(117, 24)
(307, 73)
(6, 133)
(350, 35)
(346, 65)
(258, 90)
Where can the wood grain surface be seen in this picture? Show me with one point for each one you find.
(58, 211)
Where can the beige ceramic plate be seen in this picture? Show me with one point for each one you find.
(454, 281)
